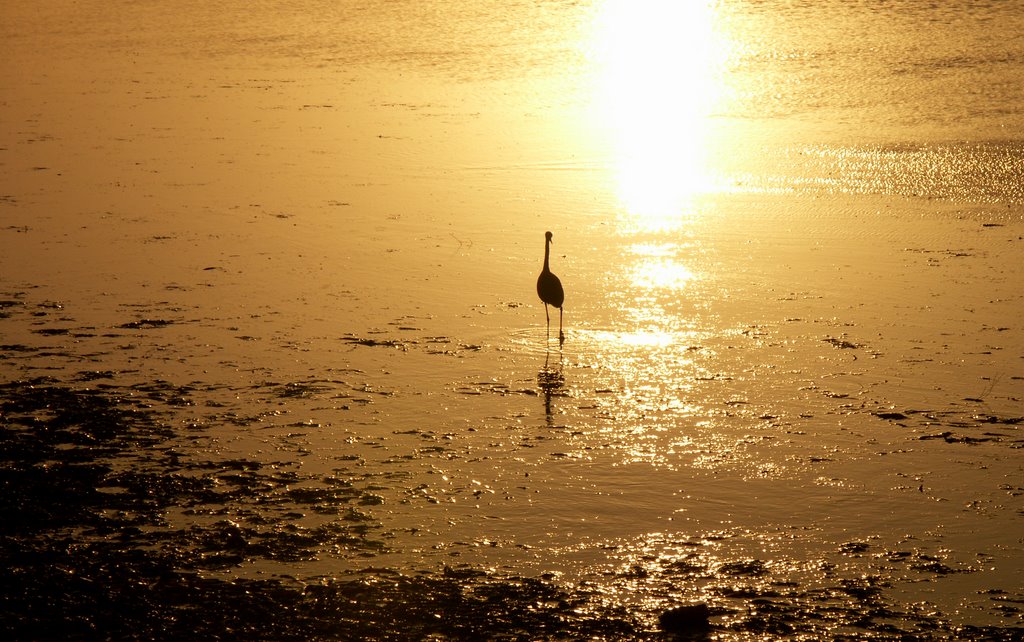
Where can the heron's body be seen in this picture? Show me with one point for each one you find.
(549, 289)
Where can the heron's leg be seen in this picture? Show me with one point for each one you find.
(561, 337)
(547, 318)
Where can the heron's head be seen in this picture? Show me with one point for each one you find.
(547, 235)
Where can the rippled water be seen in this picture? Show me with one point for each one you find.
(269, 341)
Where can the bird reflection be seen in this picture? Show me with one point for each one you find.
(550, 380)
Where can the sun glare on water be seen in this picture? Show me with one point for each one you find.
(656, 267)
(657, 83)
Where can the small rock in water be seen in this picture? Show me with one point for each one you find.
(683, 619)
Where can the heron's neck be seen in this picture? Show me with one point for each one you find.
(547, 250)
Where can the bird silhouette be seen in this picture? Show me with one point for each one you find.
(549, 289)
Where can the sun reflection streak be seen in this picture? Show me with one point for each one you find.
(637, 338)
(658, 82)
(658, 268)
(661, 273)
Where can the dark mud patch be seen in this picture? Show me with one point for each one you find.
(8, 306)
(842, 344)
(958, 425)
(435, 345)
(373, 343)
(139, 596)
(145, 323)
(50, 332)
(111, 531)
(890, 415)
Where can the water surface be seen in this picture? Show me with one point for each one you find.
(269, 329)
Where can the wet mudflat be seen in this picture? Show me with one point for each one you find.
(88, 480)
(90, 475)
(338, 503)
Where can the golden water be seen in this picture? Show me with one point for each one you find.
(774, 223)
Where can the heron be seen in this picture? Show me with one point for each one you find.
(549, 289)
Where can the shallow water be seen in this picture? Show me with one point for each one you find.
(269, 337)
